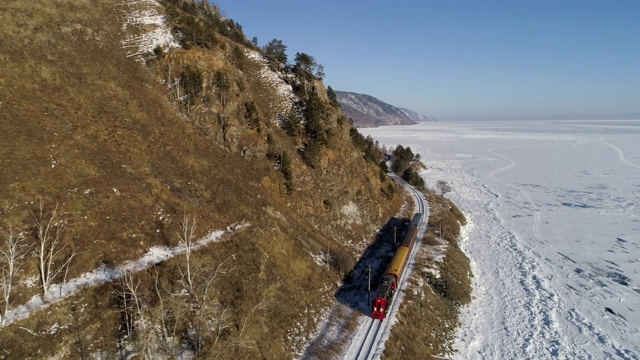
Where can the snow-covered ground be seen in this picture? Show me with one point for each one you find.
(554, 234)
(146, 28)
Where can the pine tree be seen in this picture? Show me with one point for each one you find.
(275, 51)
(191, 81)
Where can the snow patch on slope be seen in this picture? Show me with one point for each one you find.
(276, 81)
(103, 274)
(351, 213)
(146, 28)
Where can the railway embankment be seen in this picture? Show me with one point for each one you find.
(440, 285)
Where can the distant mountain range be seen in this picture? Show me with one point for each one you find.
(367, 111)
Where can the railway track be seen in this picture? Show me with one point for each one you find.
(368, 340)
(367, 345)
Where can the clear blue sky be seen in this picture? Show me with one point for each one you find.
(465, 60)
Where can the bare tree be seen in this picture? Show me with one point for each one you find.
(447, 226)
(208, 321)
(161, 310)
(204, 318)
(79, 325)
(12, 252)
(138, 326)
(225, 124)
(168, 314)
(49, 251)
(443, 186)
(248, 342)
(223, 84)
(187, 228)
(340, 261)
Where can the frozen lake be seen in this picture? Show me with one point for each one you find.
(554, 234)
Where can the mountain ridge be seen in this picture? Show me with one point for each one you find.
(417, 117)
(367, 111)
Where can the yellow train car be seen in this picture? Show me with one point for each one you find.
(398, 262)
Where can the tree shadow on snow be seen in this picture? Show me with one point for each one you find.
(378, 255)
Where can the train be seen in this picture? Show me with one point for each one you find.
(392, 275)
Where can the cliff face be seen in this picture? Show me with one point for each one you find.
(128, 137)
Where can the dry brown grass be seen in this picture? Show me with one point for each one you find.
(86, 128)
(90, 130)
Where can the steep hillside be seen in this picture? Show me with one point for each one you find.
(367, 111)
(417, 117)
(127, 134)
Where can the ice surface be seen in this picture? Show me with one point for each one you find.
(554, 238)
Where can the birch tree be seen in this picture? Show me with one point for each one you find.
(204, 318)
(136, 321)
(12, 251)
(187, 228)
(167, 314)
(49, 250)
(208, 320)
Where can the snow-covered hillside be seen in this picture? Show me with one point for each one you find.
(275, 80)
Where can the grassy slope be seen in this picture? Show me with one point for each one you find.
(84, 127)
(89, 129)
